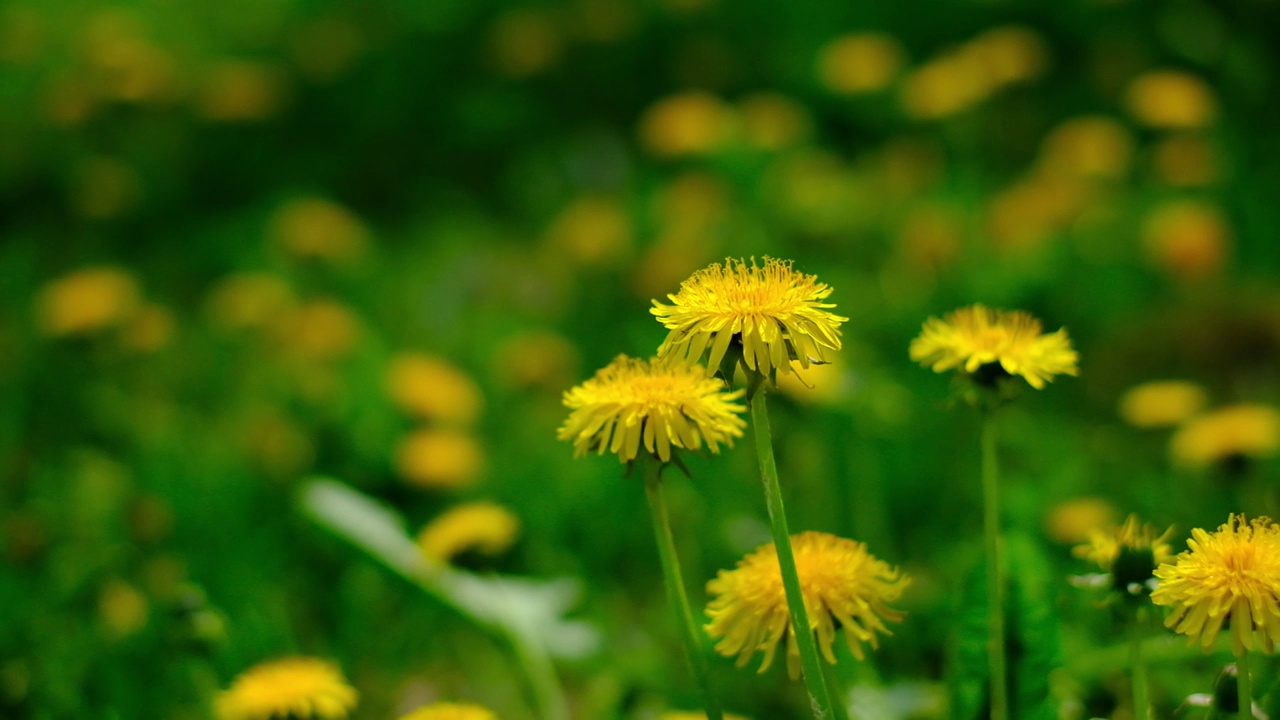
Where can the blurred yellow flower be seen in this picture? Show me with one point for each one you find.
(318, 228)
(826, 384)
(242, 91)
(772, 312)
(484, 527)
(1170, 99)
(1106, 544)
(430, 388)
(524, 42)
(537, 359)
(663, 403)
(592, 231)
(1228, 434)
(945, 85)
(1162, 403)
(1228, 576)
(321, 330)
(149, 329)
(85, 301)
(122, 64)
(1011, 54)
(773, 122)
(451, 711)
(1088, 146)
(294, 687)
(844, 587)
(1074, 520)
(441, 459)
(1027, 213)
(692, 123)
(1187, 239)
(860, 63)
(249, 300)
(122, 609)
(1185, 160)
(978, 336)
(683, 715)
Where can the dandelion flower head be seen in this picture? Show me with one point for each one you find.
(298, 687)
(663, 403)
(775, 312)
(451, 711)
(1232, 574)
(844, 587)
(1161, 403)
(1107, 546)
(485, 527)
(978, 336)
(1231, 433)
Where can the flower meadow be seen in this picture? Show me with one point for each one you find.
(667, 360)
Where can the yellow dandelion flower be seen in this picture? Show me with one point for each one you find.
(1161, 403)
(978, 336)
(451, 711)
(443, 459)
(773, 122)
(689, 124)
(1088, 146)
(296, 687)
(1187, 239)
(1075, 520)
(313, 227)
(1229, 576)
(773, 312)
(844, 587)
(122, 609)
(1229, 434)
(860, 63)
(430, 388)
(485, 527)
(86, 301)
(1107, 545)
(664, 403)
(1171, 99)
(249, 300)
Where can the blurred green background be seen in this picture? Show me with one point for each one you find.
(245, 243)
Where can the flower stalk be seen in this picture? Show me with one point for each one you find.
(676, 592)
(1244, 686)
(1137, 632)
(810, 663)
(992, 543)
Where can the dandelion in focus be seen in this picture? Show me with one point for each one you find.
(665, 404)
(772, 314)
(845, 589)
(483, 527)
(451, 711)
(980, 340)
(86, 301)
(1231, 577)
(1229, 436)
(1161, 403)
(296, 687)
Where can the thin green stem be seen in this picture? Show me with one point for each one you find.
(819, 697)
(676, 592)
(1244, 686)
(541, 676)
(1137, 632)
(995, 571)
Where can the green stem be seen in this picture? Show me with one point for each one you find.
(819, 697)
(995, 571)
(1141, 705)
(1244, 688)
(676, 592)
(541, 676)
